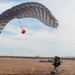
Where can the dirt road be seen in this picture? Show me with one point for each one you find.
(19, 66)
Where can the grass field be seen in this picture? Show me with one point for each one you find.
(26, 66)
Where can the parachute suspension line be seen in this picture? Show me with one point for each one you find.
(22, 30)
(20, 24)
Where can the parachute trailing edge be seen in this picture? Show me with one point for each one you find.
(29, 9)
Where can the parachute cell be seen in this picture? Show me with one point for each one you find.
(29, 9)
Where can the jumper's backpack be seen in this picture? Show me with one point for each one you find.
(57, 63)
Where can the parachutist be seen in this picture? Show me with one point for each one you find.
(56, 63)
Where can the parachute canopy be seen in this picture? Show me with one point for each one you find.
(29, 9)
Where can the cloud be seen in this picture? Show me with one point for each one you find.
(6, 6)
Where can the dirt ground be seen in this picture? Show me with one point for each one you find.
(22, 66)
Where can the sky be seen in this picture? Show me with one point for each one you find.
(40, 39)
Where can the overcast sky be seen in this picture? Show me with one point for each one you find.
(40, 39)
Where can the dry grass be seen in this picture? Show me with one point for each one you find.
(19, 66)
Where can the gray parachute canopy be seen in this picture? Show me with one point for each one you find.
(29, 9)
